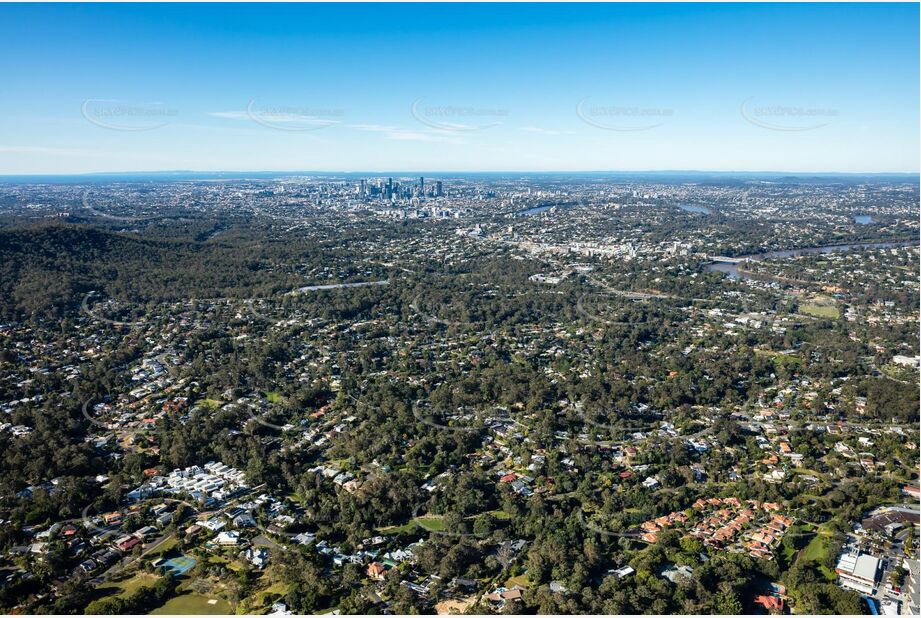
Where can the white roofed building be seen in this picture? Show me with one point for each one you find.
(858, 571)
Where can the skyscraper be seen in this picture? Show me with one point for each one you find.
(438, 189)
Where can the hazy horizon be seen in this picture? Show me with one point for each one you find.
(446, 173)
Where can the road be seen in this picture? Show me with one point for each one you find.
(127, 561)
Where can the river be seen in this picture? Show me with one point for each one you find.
(692, 208)
(732, 269)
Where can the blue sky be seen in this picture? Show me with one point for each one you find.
(500, 87)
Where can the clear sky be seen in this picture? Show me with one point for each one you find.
(441, 87)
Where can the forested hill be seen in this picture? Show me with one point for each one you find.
(56, 242)
(46, 270)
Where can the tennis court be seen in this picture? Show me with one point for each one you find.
(179, 565)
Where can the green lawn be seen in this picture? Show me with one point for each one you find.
(259, 601)
(788, 553)
(165, 547)
(434, 523)
(520, 580)
(829, 574)
(279, 589)
(190, 603)
(787, 359)
(407, 527)
(816, 549)
(820, 310)
(128, 586)
(274, 397)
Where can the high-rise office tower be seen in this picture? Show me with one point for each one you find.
(438, 189)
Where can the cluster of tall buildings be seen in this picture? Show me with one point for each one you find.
(391, 191)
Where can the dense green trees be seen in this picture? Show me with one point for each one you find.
(470, 342)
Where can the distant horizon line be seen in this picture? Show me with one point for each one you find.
(454, 172)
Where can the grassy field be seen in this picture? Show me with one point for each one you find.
(787, 359)
(274, 397)
(829, 574)
(520, 580)
(260, 600)
(190, 603)
(127, 586)
(164, 548)
(810, 472)
(407, 527)
(817, 550)
(788, 553)
(820, 307)
(279, 588)
(435, 523)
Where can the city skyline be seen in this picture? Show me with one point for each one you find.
(490, 88)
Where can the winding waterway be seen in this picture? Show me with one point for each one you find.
(732, 268)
